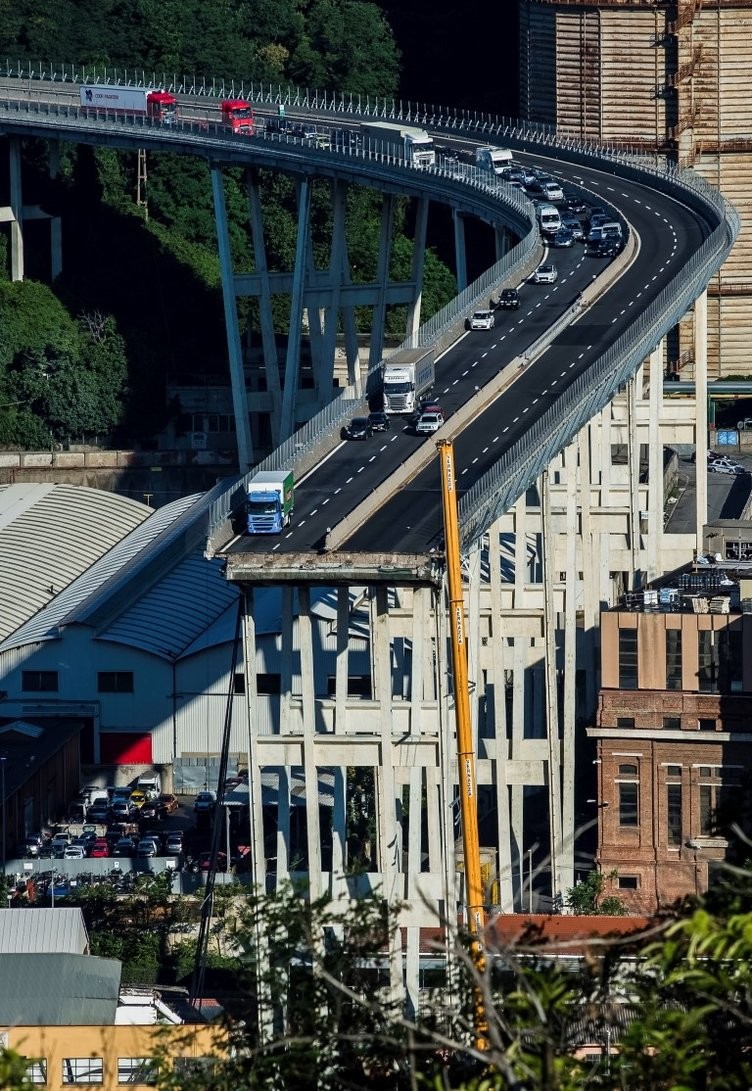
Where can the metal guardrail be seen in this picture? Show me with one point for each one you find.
(518, 468)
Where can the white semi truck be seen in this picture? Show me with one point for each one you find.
(144, 101)
(407, 142)
(408, 375)
(494, 159)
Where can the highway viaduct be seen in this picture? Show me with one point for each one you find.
(554, 525)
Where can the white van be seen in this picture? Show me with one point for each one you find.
(548, 219)
(495, 159)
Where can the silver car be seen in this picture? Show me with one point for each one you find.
(545, 274)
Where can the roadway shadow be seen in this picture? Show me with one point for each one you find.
(736, 497)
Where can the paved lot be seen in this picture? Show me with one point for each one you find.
(727, 496)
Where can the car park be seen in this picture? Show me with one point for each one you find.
(147, 847)
(482, 320)
(121, 809)
(545, 274)
(74, 852)
(429, 422)
(99, 849)
(379, 422)
(358, 428)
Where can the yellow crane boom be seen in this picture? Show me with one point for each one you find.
(465, 752)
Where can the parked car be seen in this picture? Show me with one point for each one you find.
(99, 849)
(174, 843)
(379, 422)
(124, 847)
(121, 809)
(147, 847)
(204, 860)
(167, 803)
(545, 274)
(150, 812)
(358, 428)
(59, 844)
(205, 802)
(725, 466)
(32, 845)
(98, 813)
(482, 320)
(138, 798)
(77, 812)
(429, 422)
(74, 852)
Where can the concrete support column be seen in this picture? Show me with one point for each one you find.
(287, 648)
(473, 626)
(460, 254)
(655, 466)
(390, 864)
(341, 670)
(701, 415)
(258, 861)
(420, 637)
(566, 871)
(292, 362)
(266, 317)
(418, 262)
(497, 709)
(414, 863)
(310, 771)
(234, 350)
(633, 473)
(56, 223)
(382, 279)
(339, 274)
(552, 701)
(501, 241)
(16, 207)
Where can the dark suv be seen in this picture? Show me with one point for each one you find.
(358, 428)
(510, 298)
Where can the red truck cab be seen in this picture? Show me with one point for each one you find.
(161, 106)
(237, 115)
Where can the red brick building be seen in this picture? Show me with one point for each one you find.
(674, 733)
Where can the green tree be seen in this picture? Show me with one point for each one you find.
(586, 898)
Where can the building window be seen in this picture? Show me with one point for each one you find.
(83, 1070)
(269, 685)
(629, 795)
(627, 659)
(628, 882)
(673, 770)
(674, 813)
(238, 683)
(706, 725)
(716, 785)
(36, 1070)
(39, 681)
(673, 659)
(707, 662)
(626, 723)
(358, 685)
(137, 1070)
(115, 682)
(672, 723)
(729, 661)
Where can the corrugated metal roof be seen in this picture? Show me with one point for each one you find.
(58, 989)
(110, 574)
(34, 931)
(178, 609)
(49, 535)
